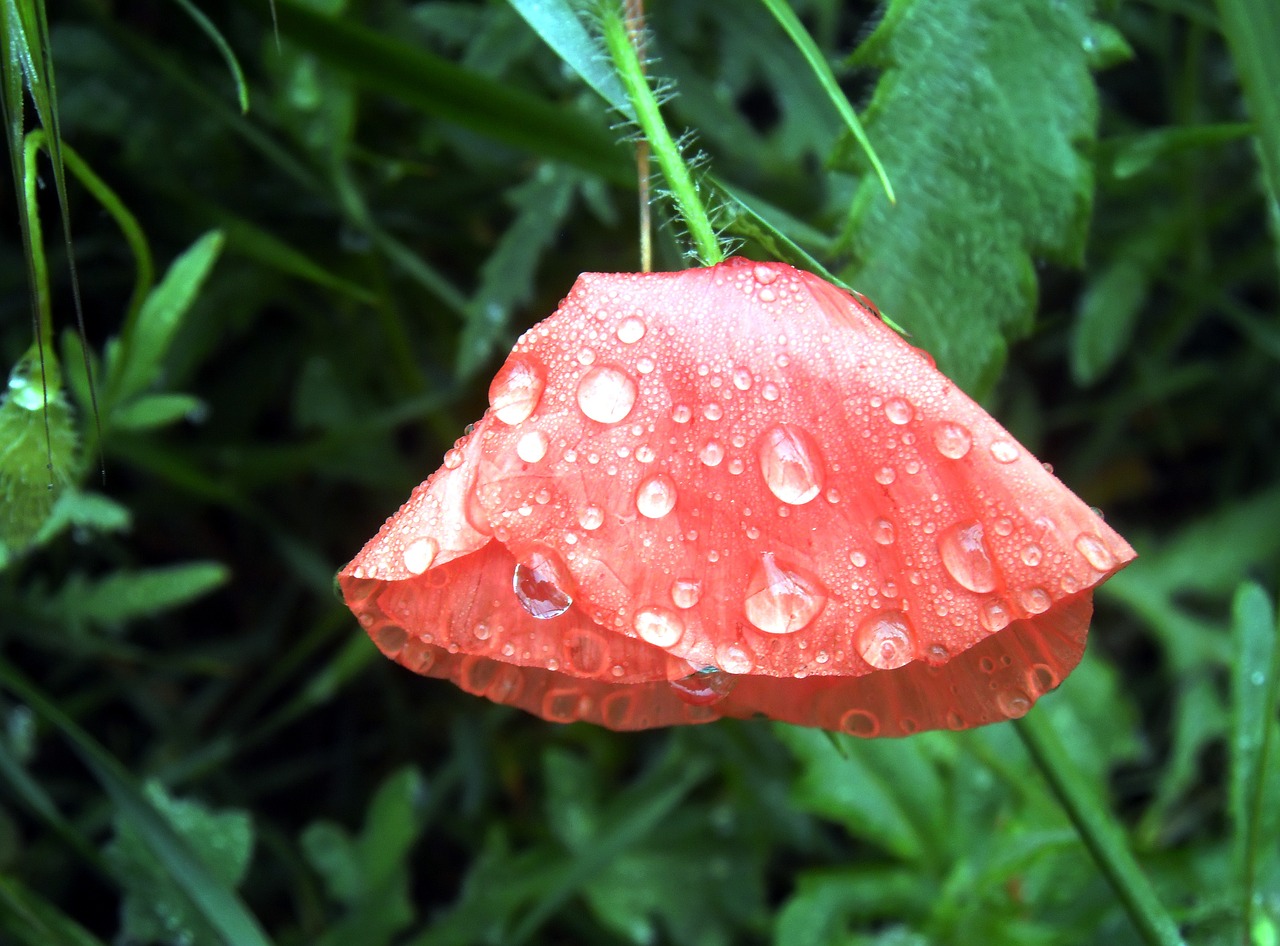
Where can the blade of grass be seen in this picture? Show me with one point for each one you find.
(215, 901)
(224, 50)
(788, 20)
(1255, 685)
(1098, 830)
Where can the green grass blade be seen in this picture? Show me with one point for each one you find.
(1252, 28)
(224, 50)
(787, 18)
(1255, 686)
(215, 901)
(33, 921)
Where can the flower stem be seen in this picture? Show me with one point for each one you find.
(670, 160)
(1101, 834)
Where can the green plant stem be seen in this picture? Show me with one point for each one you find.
(670, 160)
(1100, 833)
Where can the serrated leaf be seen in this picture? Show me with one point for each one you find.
(155, 909)
(146, 341)
(828, 904)
(130, 594)
(81, 510)
(980, 117)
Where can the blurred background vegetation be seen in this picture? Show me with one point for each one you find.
(305, 236)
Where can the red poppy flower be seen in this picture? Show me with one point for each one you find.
(735, 491)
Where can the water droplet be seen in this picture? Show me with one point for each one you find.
(658, 626)
(966, 558)
(1095, 553)
(861, 723)
(541, 584)
(1013, 703)
(780, 600)
(532, 446)
(882, 532)
(952, 440)
(419, 554)
(606, 394)
(1002, 526)
(1032, 554)
(644, 364)
(656, 496)
(452, 459)
(735, 658)
(736, 466)
(516, 389)
(685, 592)
(767, 295)
(884, 640)
(885, 475)
(586, 356)
(741, 379)
(681, 413)
(591, 518)
(705, 687)
(791, 464)
(858, 559)
(1004, 451)
(994, 615)
(645, 454)
(769, 391)
(631, 330)
(713, 411)
(1035, 600)
(1041, 678)
(711, 453)
(765, 275)
(898, 411)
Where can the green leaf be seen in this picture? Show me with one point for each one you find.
(155, 908)
(369, 875)
(556, 21)
(829, 904)
(981, 118)
(223, 47)
(146, 340)
(29, 919)
(81, 510)
(126, 595)
(1255, 688)
(149, 411)
(1108, 311)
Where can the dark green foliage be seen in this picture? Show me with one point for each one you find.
(292, 311)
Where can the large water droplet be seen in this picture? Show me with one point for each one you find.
(591, 517)
(791, 464)
(1095, 553)
(532, 446)
(882, 532)
(994, 615)
(1004, 451)
(1013, 703)
(861, 723)
(704, 687)
(952, 440)
(742, 379)
(542, 584)
(656, 496)
(781, 600)
(685, 593)
(606, 394)
(898, 411)
(1035, 600)
(884, 640)
(631, 330)
(1032, 554)
(735, 658)
(764, 274)
(711, 453)
(419, 554)
(516, 389)
(966, 558)
(658, 626)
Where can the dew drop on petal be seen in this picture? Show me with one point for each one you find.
(532, 446)
(713, 411)
(711, 453)
(780, 600)
(769, 391)
(858, 722)
(1095, 553)
(735, 658)
(885, 641)
(966, 557)
(704, 687)
(898, 411)
(606, 394)
(631, 330)
(516, 389)
(419, 554)
(994, 615)
(791, 464)
(1013, 703)
(1004, 451)
(882, 532)
(541, 584)
(885, 475)
(1041, 678)
(452, 459)
(681, 413)
(658, 626)
(742, 379)
(685, 593)
(591, 517)
(1032, 554)
(656, 496)
(1035, 600)
(952, 440)
(764, 275)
